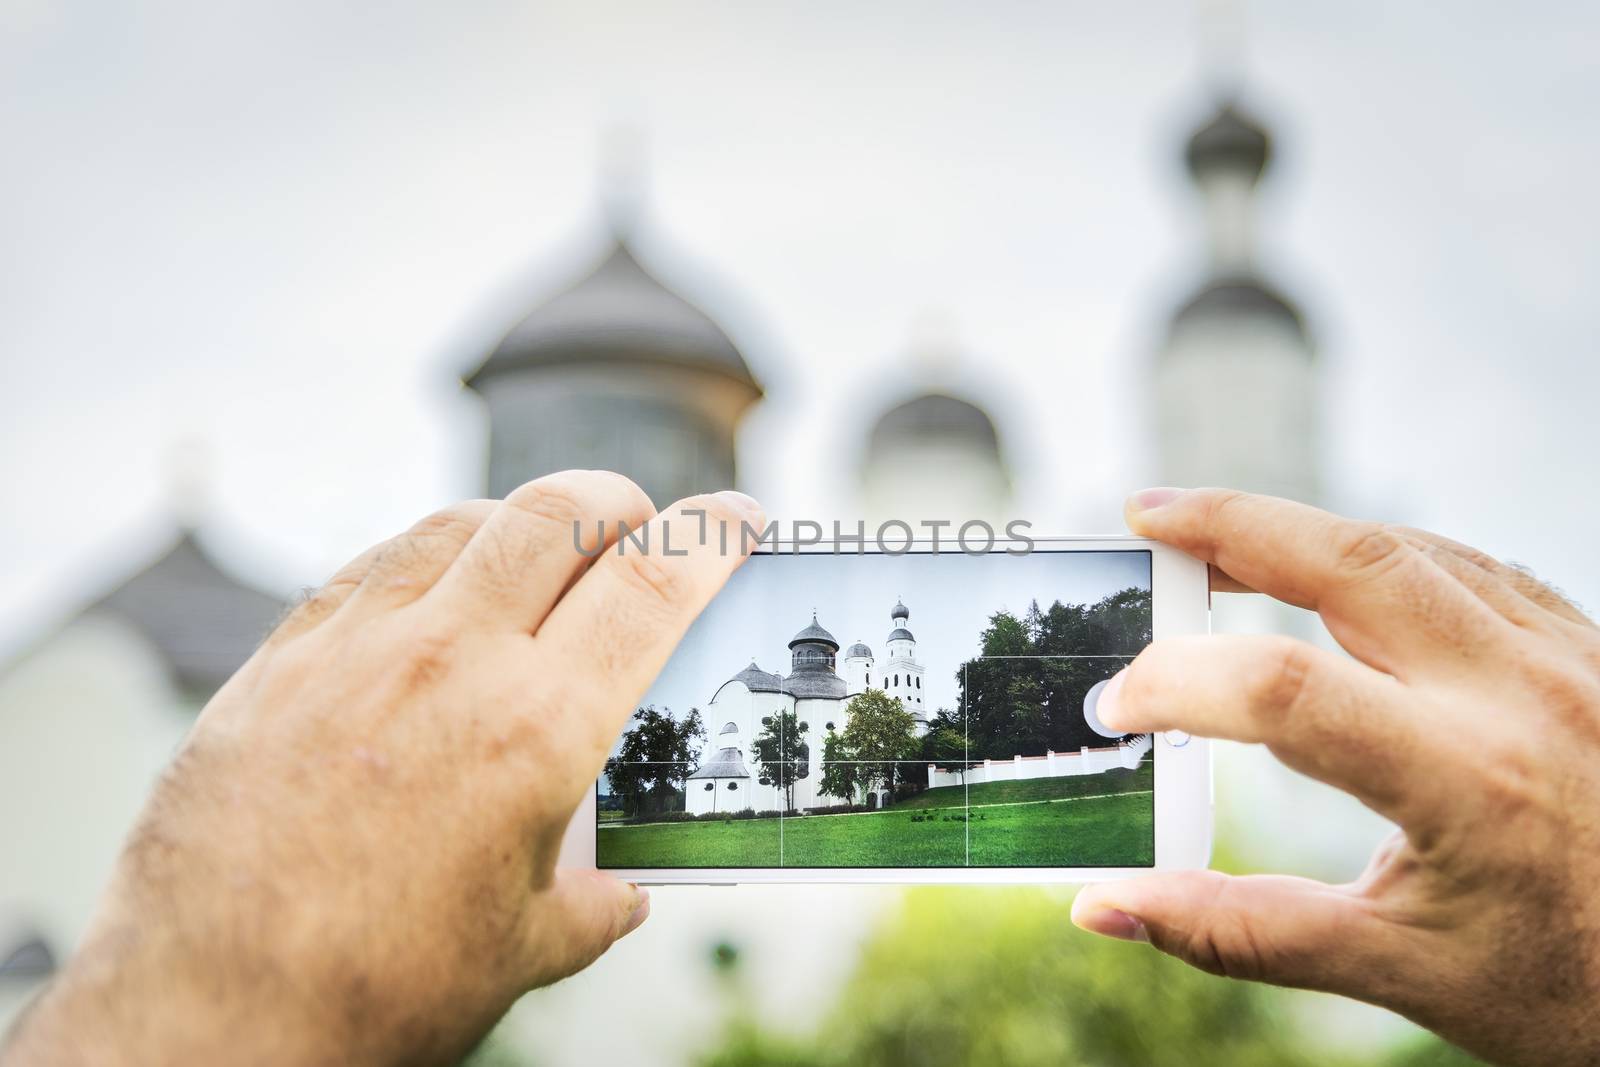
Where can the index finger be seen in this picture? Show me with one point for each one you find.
(1382, 597)
(615, 629)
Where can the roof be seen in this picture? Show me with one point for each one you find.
(1239, 296)
(617, 312)
(728, 728)
(204, 622)
(814, 684)
(900, 633)
(29, 959)
(757, 680)
(938, 416)
(1231, 140)
(900, 611)
(858, 649)
(728, 763)
(814, 633)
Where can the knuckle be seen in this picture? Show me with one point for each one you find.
(457, 523)
(1284, 678)
(1365, 550)
(652, 579)
(558, 499)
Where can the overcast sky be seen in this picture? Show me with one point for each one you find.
(284, 228)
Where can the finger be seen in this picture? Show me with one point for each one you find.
(1223, 582)
(540, 539)
(574, 921)
(1321, 713)
(1516, 579)
(1382, 597)
(1269, 928)
(616, 628)
(409, 565)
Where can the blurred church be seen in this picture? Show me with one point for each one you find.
(616, 369)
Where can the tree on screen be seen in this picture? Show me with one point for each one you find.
(879, 735)
(840, 774)
(782, 755)
(656, 755)
(1016, 703)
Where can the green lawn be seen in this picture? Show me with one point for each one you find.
(954, 796)
(1039, 823)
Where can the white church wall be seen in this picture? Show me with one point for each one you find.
(1050, 765)
(87, 721)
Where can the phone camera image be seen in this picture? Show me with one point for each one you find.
(873, 711)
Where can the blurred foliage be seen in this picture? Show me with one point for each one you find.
(1000, 978)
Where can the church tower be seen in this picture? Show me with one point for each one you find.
(901, 674)
(857, 669)
(618, 372)
(1235, 383)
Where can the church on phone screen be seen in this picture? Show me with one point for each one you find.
(817, 691)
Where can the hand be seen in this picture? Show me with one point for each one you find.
(1469, 715)
(353, 858)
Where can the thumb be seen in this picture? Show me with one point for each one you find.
(1269, 928)
(580, 915)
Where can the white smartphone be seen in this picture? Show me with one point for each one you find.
(845, 714)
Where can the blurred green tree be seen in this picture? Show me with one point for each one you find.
(998, 977)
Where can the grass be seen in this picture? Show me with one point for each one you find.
(1044, 822)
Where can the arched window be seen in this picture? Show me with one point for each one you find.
(710, 786)
(919, 681)
(897, 679)
(733, 785)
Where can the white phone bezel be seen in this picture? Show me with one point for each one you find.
(1180, 604)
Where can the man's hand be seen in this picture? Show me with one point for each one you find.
(1469, 714)
(353, 858)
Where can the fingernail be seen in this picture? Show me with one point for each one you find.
(1109, 922)
(641, 910)
(1146, 499)
(1110, 703)
(740, 502)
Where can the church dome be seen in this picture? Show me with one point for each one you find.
(617, 313)
(858, 651)
(1230, 299)
(936, 416)
(1233, 141)
(814, 634)
(900, 611)
(900, 633)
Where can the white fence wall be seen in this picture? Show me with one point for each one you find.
(1050, 765)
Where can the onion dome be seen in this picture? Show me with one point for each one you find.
(1231, 141)
(900, 611)
(858, 651)
(618, 313)
(1237, 297)
(936, 417)
(814, 634)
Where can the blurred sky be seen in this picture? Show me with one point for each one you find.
(285, 227)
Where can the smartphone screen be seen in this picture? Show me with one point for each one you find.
(869, 710)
